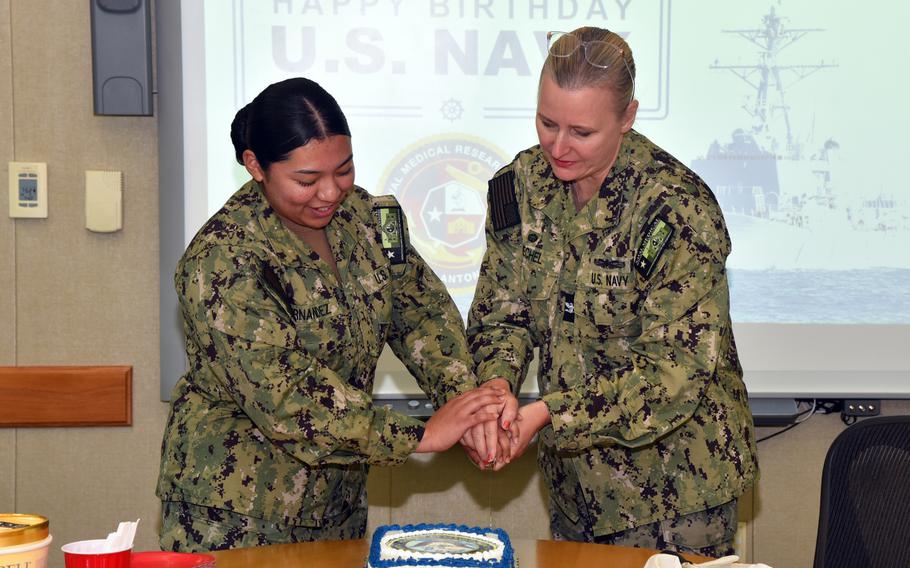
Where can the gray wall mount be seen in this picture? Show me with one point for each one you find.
(122, 57)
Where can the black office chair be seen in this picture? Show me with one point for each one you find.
(864, 520)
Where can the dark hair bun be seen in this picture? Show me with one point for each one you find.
(283, 117)
(239, 133)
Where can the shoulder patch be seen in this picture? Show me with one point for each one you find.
(503, 204)
(653, 243)
(390, 222)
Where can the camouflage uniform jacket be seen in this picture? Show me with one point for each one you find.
(274, 418)
(628, 303)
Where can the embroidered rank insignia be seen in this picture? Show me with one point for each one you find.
(656, 236)
(568, 306)
(503, 205)
(390, 221)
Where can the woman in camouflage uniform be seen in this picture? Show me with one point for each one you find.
(608, 255)
(288, 295)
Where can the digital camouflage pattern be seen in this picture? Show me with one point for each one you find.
(638, 367)
(274, 418)
(708, 533)
(192, 528)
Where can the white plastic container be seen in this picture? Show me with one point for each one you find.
(24, 540)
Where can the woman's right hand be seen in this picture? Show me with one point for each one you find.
(490, 443)
(449, 423)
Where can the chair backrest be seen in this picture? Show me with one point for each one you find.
(865, 499)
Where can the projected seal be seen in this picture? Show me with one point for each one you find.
(441, 183)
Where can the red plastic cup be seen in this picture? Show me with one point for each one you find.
(156, 559)
(87, 554)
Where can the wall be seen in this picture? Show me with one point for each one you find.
(75, 297)
(7, 257)
(71, 296)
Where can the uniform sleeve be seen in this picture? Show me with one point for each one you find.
(685, 317)
(427, 332)
(500, 332)
(293, 398)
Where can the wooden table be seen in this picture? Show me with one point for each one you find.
(353, 554)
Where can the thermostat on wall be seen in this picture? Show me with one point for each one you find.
(28, 189)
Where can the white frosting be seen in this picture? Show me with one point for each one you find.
(386, 552)
(402, 566)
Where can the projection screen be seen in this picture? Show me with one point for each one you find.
(793, 112)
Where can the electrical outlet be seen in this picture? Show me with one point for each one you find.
(862, 407)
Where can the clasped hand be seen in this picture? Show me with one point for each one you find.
(487, 422)
(493, 444)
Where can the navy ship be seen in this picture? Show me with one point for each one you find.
(779, 191)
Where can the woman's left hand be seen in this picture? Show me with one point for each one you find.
(533, 418)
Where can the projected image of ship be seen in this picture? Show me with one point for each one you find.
(781, 191)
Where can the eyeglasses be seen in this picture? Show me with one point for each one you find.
(598, 53)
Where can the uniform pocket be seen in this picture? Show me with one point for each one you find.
(324, 326)
(607, 313)
(320, 316)
(539, 278)
(376, 294)
(607, 296)
(561, 477)
(702, 530)
(347, 492)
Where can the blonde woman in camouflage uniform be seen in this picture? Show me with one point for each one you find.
(288, 295)
(607, 254)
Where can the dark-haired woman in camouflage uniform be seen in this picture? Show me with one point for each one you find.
(288, 295)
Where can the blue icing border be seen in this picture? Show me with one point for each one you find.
(504, 562)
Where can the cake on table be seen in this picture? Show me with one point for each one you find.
(426, 546)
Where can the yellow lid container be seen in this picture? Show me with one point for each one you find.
(16, 530)
(24, 540)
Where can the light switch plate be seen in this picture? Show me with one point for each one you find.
(28, 189)
(103, 201)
